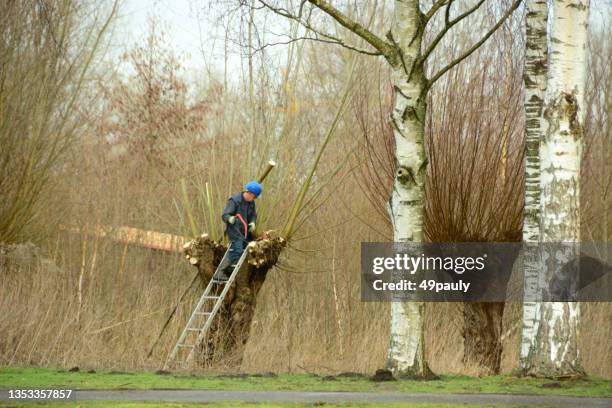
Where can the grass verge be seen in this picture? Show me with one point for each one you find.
(29, 377)
(122, 404)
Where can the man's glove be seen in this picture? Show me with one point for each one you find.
(251, 227)
(231, 219)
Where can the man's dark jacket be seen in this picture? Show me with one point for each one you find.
(236, 204)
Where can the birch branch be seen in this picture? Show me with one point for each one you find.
(381, 46)
(448, 24)
(469, 52)
(437, 6)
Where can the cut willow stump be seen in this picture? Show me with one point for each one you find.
(232, 324)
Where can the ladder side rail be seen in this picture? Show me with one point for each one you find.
(194, 313)
(218, 304)
(189, 323)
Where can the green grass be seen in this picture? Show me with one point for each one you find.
(121, 404)
(46, 378)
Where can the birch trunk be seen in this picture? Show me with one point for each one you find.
(536, 66)
(554, 350)
(406, 354)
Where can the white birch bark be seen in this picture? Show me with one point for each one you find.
(406, 354)
(555, 348)
(536, 65)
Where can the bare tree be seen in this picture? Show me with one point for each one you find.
(46, 51)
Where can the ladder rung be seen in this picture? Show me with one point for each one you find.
(202, 331)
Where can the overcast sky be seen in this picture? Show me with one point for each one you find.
(191, 30)
(179, 18)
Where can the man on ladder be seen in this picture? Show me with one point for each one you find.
(239, 216)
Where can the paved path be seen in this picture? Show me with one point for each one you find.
(337, 397)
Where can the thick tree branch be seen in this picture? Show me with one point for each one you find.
(469, 52)
(327, 37)
(386, 49)
(435, 7)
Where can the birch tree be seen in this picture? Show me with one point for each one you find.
(536, 66)
(406, 53)
(549, 346)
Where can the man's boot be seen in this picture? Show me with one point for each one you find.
(225, 273)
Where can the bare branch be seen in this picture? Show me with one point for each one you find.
(466, 54)
(435, 7)
(447, 13)
(448, 24)
(304, 22)
(386, 49)
(281, 11)
(317, 39)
